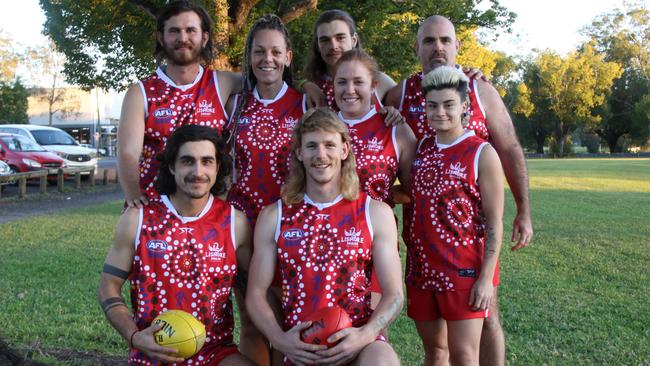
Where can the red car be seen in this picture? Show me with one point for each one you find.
(24, 155)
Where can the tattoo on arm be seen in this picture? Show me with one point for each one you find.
(490, 242)
(111, 303)
(393, 311)
(114, 271)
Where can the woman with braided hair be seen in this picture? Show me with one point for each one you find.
(263, 117)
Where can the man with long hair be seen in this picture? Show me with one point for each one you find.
(182, 91)
(326, 236)
(183, 251)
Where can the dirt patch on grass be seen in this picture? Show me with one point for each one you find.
(12, 357)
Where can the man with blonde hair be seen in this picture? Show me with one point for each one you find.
(325, 236)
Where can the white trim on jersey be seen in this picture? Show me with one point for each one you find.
(321, 205)
(279, 223)
(161, 74)
(266, 102)
(460, 138)
(185, 219)
(352, 122)
(138, 230)
(476, 160)
(478, 98)
(368, 221)
(395, 145)
(378, 100)
(221, 101)
(304, 103)
(144, 97)
(233, 237)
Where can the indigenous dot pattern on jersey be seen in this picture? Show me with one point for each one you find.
(413, 108)
(169, 107)
(263, 150)
(325, 259)
(445, 250)
(375, 152)
(185, 264)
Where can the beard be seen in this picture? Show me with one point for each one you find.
(182, 58)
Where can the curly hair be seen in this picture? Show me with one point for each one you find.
(166, 184)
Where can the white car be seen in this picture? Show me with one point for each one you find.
(58, 142)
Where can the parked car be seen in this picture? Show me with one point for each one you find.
(24, 155)
(5, 170)
(57, 141)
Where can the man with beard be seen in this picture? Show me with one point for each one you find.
(436, 45)
(182, 252)
(180, 92)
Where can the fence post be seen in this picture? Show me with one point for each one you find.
(22, 187)
(43, 181)
(77, 180)
(91, 176)
(59, 180)
(105, 179)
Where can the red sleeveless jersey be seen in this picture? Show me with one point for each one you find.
(262, 149)
(186, 263)
(376, 153)
(169, 106)
(445, 252)
(326, 85)
(325, 258)
(413, 108)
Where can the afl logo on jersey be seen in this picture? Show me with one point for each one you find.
(416, 109)
(163, 115)
(293, 236)
(157, 248)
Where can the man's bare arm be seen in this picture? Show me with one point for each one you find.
(117, 266)
(130, 137)
(387, 265)
(510, 153)
(393, 96)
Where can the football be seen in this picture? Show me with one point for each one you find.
(181, 331)
(325, 322)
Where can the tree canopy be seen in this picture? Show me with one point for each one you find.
(110, 43)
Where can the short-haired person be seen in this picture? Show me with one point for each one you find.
(338, 233)
(456, 227)
(182, 251)
(436, 45)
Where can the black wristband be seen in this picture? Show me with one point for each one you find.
(117, 272)
(111, 303)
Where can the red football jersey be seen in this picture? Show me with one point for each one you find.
(325, 258)
(185, 263)
(446, 249)
(376, 153)
(413, 108)
(169, 106)
(263, 148)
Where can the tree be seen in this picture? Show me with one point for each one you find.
(13, 102)
(109, 43)
(566, 91)
(623, 36)
(9, 58)
(47, 63)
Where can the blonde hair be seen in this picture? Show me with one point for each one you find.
(319, 119)
(447, 77)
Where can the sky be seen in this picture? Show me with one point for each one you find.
(539, 24)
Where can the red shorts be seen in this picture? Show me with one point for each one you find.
(427, 305)
(221, 354)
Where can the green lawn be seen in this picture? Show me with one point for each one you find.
(579, 294)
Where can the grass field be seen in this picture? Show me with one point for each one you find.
(579, 295)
